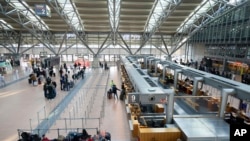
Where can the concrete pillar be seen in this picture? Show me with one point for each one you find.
(169, 58)
(176, 74)
(95, 63)
(195, 85)
(224, 96)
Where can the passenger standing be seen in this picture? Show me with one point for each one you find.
(2, 80)
(62, 80)
(112, 83)
(61, 71)
(82, 72)
(66, 82)
(123, 92)
(44, 138)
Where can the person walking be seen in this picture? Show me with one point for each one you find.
(114, 90)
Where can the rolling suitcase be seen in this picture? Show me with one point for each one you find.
(35, 83)
(39, 81)
(71, 84)
(29, 81)
(109, 94)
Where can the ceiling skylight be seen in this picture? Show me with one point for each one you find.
(200, 10)
(114, 13)
(157, 13)
(4, 25)
(29, 14)
(72, 14)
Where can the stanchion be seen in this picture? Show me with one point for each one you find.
(74, 115)
(58, 132)
(76, 107)
(85, 118)
(66, 124)
(69, 118)
(38, 118)
(44, 112)
(82, 122)
(30, 125)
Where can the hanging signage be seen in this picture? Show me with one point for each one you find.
(42, 10)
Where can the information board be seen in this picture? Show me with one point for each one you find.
(147, 98)
(42, 10)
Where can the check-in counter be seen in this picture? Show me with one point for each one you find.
(185, 88)
(159, 134)
(159, 108)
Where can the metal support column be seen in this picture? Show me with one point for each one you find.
(170, 104)
(224, 96)
(164, 71)
(224, 64)
(156, 63)
(146, 61)
(150, 63)
(195, 85)
(176, 74)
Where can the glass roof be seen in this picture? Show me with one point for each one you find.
(114, 13)
(157, 12)
(72, 14)
(5, 25)
(201, 9)
(29, 14)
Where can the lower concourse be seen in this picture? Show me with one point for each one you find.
(24, 105)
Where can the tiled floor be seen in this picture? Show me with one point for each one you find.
(23, 106)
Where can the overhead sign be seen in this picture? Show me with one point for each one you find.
(42, 10)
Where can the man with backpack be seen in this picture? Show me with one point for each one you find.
(114, 90)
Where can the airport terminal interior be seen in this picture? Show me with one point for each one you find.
(124, 70)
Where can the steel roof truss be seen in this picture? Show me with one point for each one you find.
(104, 47)
(169, 9)
(6, 47)
(60, 11)
(165, 45)
(103, 44)
(29, 48)
(180, 38)
(35, 31)
(126, 49)
(129, 51)
(70, 46)
(159, 48)
(61, 44)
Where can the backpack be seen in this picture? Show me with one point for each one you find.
(113, 88)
